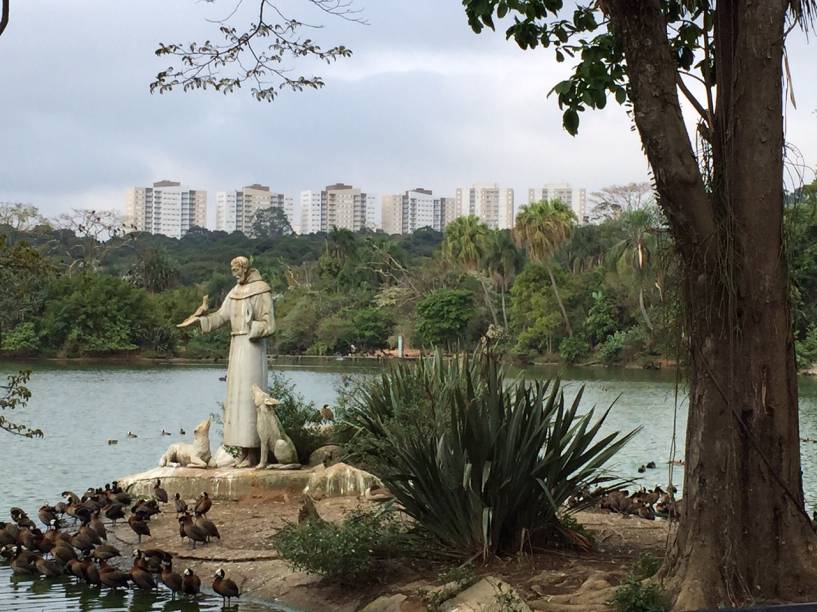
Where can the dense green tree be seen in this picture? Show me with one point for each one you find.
(723, 201)
(24, 278)
(542, 229)
(270, 224)
(96, 314)
(444, 315)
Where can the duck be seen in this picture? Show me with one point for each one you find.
(225, 587)
(140, 575)
(171, 579)
(642, 469)
(191, 531)
(112, 441)
(47, 514)
(21, 518)
(21, 562)
(75, 568)
(104, 552)
(48, 568)
(91, 572)
(651, 465)
(115, 511)
(223, 378)
(181, 505)
(132, 435)
(208, 527)
(166, 433)
(203, 504)
(92, 535)
(191, 584)
(138, 526)
(63, 551)
(98, 526)
(326, 413)
(159, 493)
(111, 577)
(182, 432)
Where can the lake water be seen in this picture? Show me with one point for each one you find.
(81, 407)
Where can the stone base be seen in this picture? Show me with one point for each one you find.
(231, 484)
(224, 484)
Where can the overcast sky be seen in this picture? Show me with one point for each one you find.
(422, 102)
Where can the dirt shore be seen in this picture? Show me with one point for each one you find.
(555, 581)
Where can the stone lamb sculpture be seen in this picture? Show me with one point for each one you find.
(195, 455)
(272, 434)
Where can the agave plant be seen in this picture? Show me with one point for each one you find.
(493, 463)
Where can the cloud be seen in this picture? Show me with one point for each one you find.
(422, 102)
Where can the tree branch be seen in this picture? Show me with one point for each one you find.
(641, 29)
(694, 101)
(4, 17)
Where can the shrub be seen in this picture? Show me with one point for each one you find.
(611, 348)
(345, 553)
(806, 349)
(646, 566)
(22, 340)
(573, 349)
(632, 596)
(485, 464)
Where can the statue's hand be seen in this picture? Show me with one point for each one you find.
(189, 321)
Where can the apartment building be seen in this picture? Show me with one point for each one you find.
(575, 198)
(339, 205)
(235, 210)
(415, 209)
(493, 204)
(167, 208)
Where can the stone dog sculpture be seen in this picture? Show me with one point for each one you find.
(272, 434)
(195, 455)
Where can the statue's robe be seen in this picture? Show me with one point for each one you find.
(248, 308)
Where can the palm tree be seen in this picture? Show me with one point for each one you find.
(635, 250)
(465, 241)
(502, 261)
(542, 228)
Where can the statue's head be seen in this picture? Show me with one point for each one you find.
(240, 268)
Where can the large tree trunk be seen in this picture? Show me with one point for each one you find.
(744, 534)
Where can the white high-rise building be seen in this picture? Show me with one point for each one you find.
(166, 208)
(414, 209)
(575, 198)
(235, 210)
(339, 205)
(311, 210)
(493, 204)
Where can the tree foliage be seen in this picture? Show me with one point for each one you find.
(15, 394)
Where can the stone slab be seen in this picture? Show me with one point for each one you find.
(223, 484)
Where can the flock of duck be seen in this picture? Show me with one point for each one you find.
(645, 503)
(83, 552)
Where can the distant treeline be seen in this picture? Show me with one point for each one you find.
(549, 290)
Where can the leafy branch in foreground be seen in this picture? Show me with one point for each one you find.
(254, 53)
(16, 394)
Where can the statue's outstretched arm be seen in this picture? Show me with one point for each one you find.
(217, 319)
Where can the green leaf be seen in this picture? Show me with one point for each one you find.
(570, 121)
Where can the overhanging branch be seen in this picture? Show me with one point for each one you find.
(654, 83)
(4, 16)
